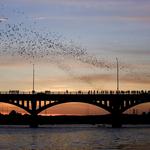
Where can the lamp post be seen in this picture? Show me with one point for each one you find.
(33, 91)
(117, 74)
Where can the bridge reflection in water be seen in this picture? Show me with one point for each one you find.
(115, 102)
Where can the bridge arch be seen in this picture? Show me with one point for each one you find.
(17, 105)
(135, 103)
(104, 107)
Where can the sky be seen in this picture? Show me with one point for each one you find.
(80, 40)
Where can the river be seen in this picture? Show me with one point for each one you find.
(74, 137)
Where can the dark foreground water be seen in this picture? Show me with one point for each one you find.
(74, 137)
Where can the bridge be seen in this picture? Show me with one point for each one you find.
(115, 102)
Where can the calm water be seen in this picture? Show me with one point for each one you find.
(74, 137)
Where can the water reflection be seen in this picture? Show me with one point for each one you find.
(74, 137)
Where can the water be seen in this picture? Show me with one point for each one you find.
(74, 137)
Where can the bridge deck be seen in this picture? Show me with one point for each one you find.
(77, 92)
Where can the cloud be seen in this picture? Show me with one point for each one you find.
(3, 19)
(138, 78)
(41, 18)
(96, 18)
(96, 77)
(132, 18)
(138, 52)
(87, 10)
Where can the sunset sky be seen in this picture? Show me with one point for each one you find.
(104, 29)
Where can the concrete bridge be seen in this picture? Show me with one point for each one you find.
(115, 102)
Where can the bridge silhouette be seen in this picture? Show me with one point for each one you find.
(115, 102)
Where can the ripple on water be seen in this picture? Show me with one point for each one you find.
(74, 137)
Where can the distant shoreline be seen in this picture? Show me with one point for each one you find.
(126, 119)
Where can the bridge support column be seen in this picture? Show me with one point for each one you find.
(34, 121)
(116, 112)
(34, 117)
(116, 120)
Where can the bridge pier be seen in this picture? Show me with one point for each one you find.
(34, 121)
(116, 120)
(116, 112)
(34, 117)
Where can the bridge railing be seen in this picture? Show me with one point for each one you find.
(15, 92)
(90, 92)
